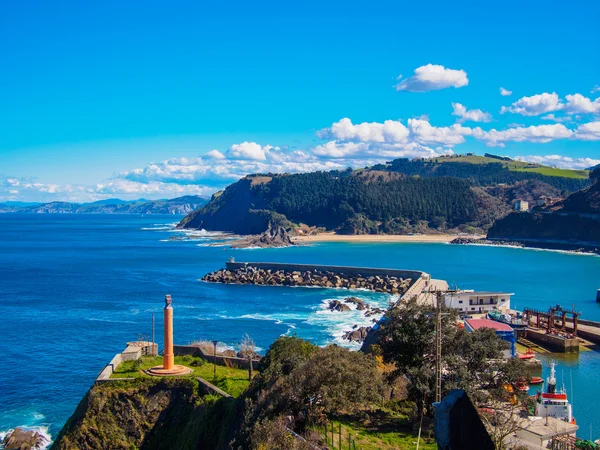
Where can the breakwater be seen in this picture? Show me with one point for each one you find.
(390, 281)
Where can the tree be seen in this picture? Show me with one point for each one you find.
(247, 348)
(285, 354)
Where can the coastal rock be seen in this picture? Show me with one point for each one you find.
(336, 305)
(360, 305)
(357, 335)
(24, 439)
(273, 237)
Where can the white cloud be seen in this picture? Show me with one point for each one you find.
(588, 132)
(423, 132)
(215, 154)
(552, 117)
(595, 89)
(579, 104)
(564, 162)
(505, 92)
(343, 130)
(474, 115)
(249, 150)
(538, 134)
(433, 77)
(534, 105)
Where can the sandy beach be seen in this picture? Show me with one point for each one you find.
(366, 238)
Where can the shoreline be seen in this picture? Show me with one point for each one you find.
(383, 238)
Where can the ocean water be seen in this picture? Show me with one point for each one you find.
(76, 288)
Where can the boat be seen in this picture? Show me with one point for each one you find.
(553, 402)
(521, 386)
(512, 321)
(536, 380)
(529, 354)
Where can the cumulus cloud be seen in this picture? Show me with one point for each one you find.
(344, 130)
(473, 115)
(588, 132)
(250, 150)
(552, 117)
(432, 77)
(536, 133)
(215, 154)
(534, 105)
(505, 92)
(579, 104)
(564, 162)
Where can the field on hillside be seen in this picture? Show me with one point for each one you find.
(516, 166)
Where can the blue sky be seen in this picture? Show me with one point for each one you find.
(127, 98)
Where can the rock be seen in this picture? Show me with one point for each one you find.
(23, 439)
(229, 352)
(273, 237)
(358, 335)
(360, 305)
(336, 305)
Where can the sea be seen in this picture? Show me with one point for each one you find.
(76, 288)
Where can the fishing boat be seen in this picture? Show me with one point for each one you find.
(512, 321)
(536, 380)
(521, 386)
(553, 402)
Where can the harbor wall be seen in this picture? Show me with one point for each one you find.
(415, 288)
(554, 343)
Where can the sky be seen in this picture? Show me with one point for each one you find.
(152, 99)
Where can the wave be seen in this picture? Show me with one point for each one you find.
(42, 430)
(155, 228)
(93, 319)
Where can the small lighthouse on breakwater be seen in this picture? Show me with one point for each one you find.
(168, 368)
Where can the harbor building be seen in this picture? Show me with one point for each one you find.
(502, 330)
(470, 301)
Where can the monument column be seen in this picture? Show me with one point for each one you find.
(168, 358)
(168, 368)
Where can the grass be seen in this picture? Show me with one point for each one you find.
(517, 166)
(379, 428)
(231, 380)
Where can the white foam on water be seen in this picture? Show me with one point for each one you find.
(92, 319)
(155, 228)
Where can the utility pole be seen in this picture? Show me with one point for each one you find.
(215, 359)
(438, 347)
(153, 344)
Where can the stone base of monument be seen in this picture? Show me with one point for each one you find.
(160, 371)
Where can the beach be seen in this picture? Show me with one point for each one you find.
(373, 238)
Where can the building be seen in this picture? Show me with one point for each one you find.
(538, 433)
(502, 330)
(470, 301)
(521, 205)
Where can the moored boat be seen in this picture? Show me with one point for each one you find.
(553, 402)
(529, 354)
(536, 380)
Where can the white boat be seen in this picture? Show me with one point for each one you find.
(553, 402)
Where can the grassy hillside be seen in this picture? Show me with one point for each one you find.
(516, 166)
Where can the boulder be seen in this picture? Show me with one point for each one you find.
(357, 335)
(360, 305)
(336, 305)
(24, 439)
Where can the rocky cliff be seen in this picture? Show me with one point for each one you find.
(149, 414)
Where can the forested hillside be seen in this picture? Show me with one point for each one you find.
(399, 197)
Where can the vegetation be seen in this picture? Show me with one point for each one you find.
(485, 171)
(232, 380)
(399, 197)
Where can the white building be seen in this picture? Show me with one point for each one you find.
(521, 205)
(470, 301)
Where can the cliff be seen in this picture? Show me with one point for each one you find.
(149, 414)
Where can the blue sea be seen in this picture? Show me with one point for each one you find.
(76, 288)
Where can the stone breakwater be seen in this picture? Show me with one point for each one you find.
(309, 278)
